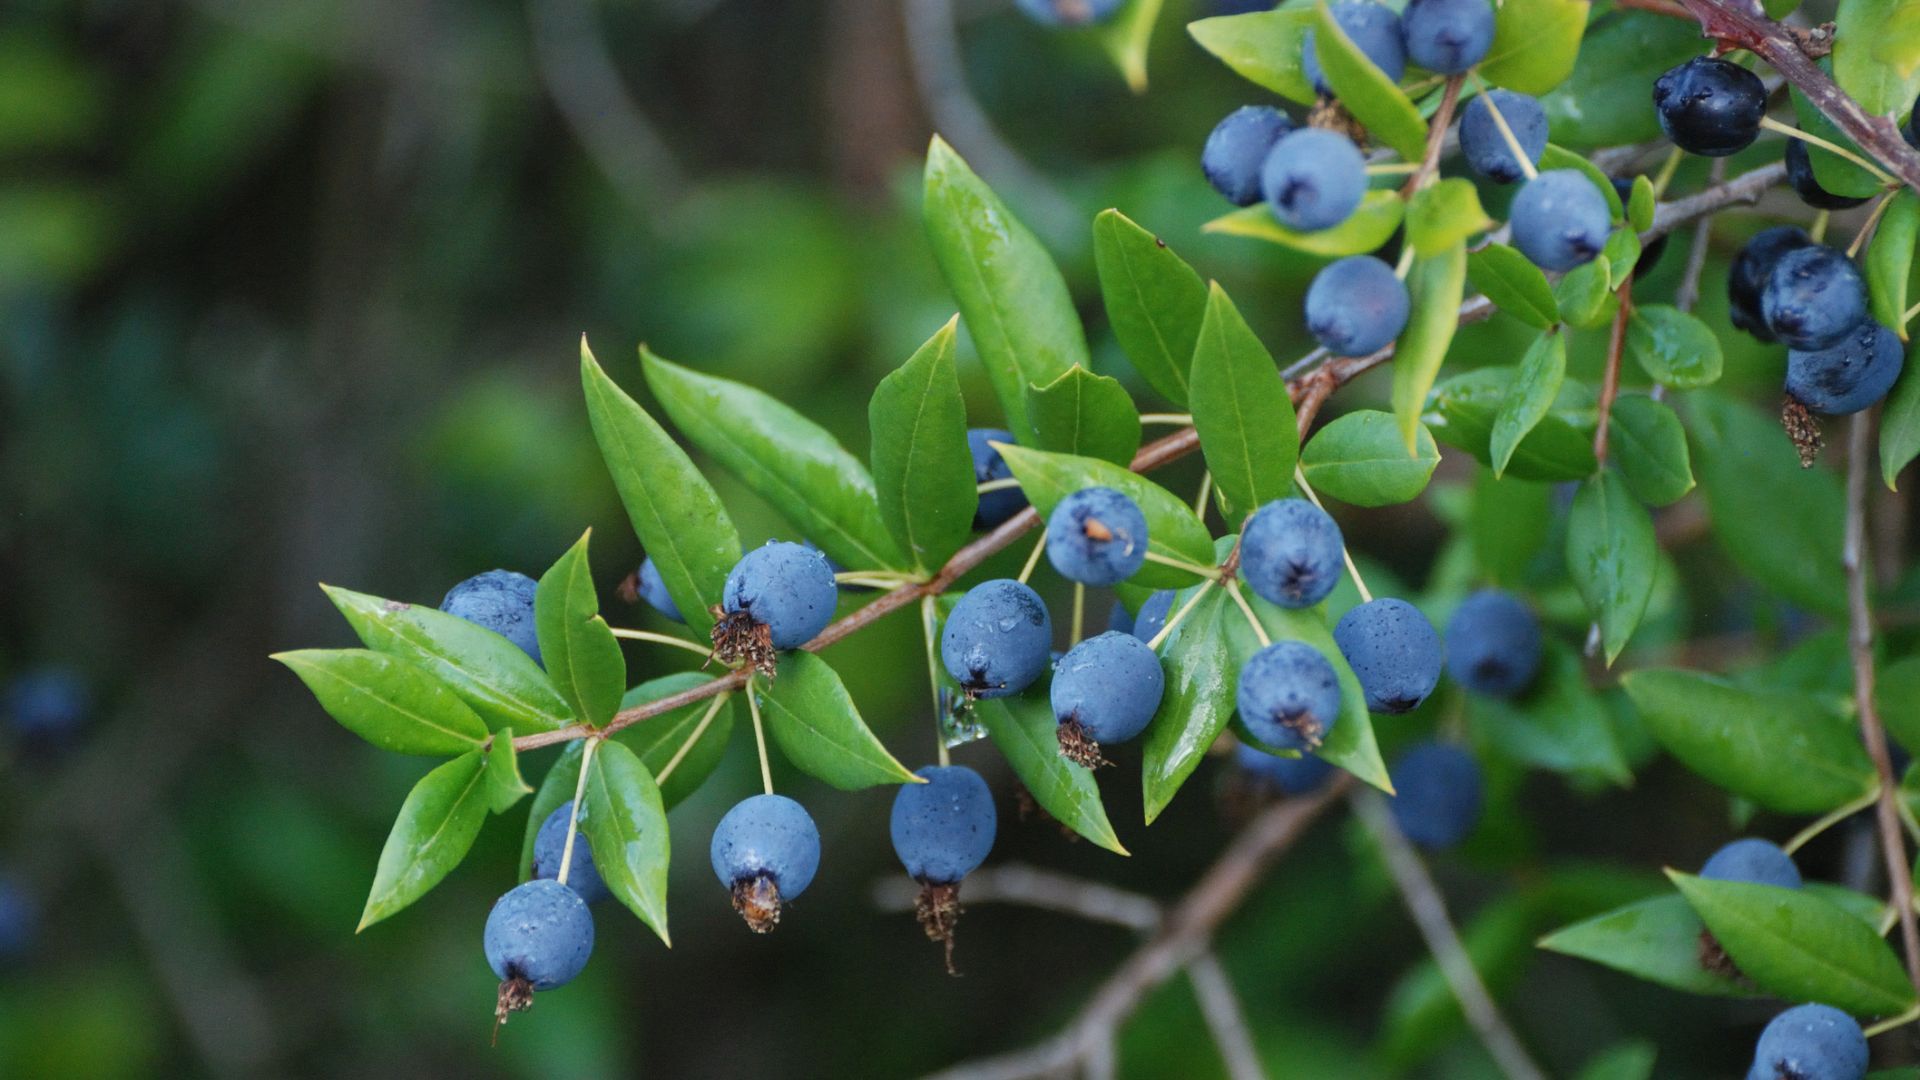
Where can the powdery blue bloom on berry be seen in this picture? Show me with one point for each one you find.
(1814, 298)
(1290, 553)
(1289, 696)
(1097, 536)
(1374, 30)
(1754, 860)
(1107, 688)
(1487, 150)
(550, 843)
(1810, 1042)
(1153, 615)
(46, 707)
(1751, 268)
(787, 588)
(1238, 147)
(943, 829)
(1447, 36)
(1356, 305)
(765, 851)
(1710, 106)
(540, 933)
(1313, 179)
(998, 639)
(1068, 13)
(1560, 219)
(1438, 794)
(1394, 652)
(1493, 644)
(500, 601)
(1849, 376)
(995, 506)
(1289, 775)
(654, 591)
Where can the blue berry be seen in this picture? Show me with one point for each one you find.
(1437, 794)
(1375, 31)
(1068, 12)
(1238, 146)
(1356, 305)
(1807, 186)
(19, 920)
(550, 843)
(500, 601)
(998, 639)
(1810, 1042)
(1710, 106)
(1107, 687)
(1119, 619)
(1486, 149)
(786, 588)
(1153, 615)
(943, 829)
(765, 851)
(1447, 36)
(1290, 775)
(1753, 860)
(654, 591)
(1096, 536)
(1850, 376)
(46, 707)
(995, 506)
(1313, 179)
(1394, 652)
(1493, 644)
(1814, 298)
(1749, 273)
(1560, 219)
(1289, 696)
(1290, 553)
(538, 937)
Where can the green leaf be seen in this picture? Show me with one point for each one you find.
(1656, 939)
(1350, 743)
(554, 791)
(1536, 383)
(505, 785)
(387, 701)
(1514, 284)
(1835, 173)
(1622, 252)
(1172, 528)
(1561, 725)
(433, 832)
(1650, 447)
(1879, 86)
(1026, 732)
(1371, 225)
(1126, 36)
(1509, 524)
(1897, 42)
(1560, 446)
(1673, 347)
(1604, 102)
(1611, 554)
(661, 739)
(787, 459)
(922, 470)
(490, 673)
(1154, 301)
(1436, 285)
(1641, 204)
(1264, 47)
(1242, 411)
(1365, 90)
(626, 826)
(679, 519)
(1535, 44)
(1787, 752)
(1202, 670)
(1445, 214)
(1897, 692)
(1890, 261)
(1585, 294)
(813, 719)
(1012, 296)
(1632, 1060)
(1800, 947)
(1900, 423)
(1086, 414)
(1559, 157)
(1360, 460)
(579, 649)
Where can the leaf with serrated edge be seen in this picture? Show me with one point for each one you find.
(1025, 731)
(434, 830)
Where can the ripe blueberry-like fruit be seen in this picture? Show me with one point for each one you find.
(1096, 536)
(1814, 298)
(538, 937)
(1238, 147)
(1710, 106)
(998, 639)
(1437, 794)
(1068, 12)
(1649, 255)
(1810, 1042)
(1560, 219)
(649, 587)
(1850, 376)
(1288, 775)
(1313, 179)
(1807, 186)
(500, 601)
(46, 707)
(995, 506)
(1750, 270)
(1753, 860)
(942, 831)
(777, 596)
(1374, 30)
(1493, 644)
(549, 845)
(765, 851)
(1290, 553)
(1447, 36)
(1394, 652)
(1105, 690)
(1487, 150)
(1356, 305)
(1119, 619)
(1289, 696)
(1153, 615)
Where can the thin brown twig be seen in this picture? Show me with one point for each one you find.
(1687, 293)
(1659, 7)
(1436, 136)
(1610, 379)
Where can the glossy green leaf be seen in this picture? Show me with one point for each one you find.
(1010, 293)
(1650, 447)
(1508, 525)
(1359, 459)
(1026, 733)
(388, 701)
(1787, 752)
(1350, 743)
(1514, 284)
(1560, 446)
(1370, 226)
(577, 646)
(1535, 44)
(626, 826)
(1264, 47)
(813, 720)
(1536, 383)
(1086, 414)
(1560, 725)
(1365, 90)
(1202, 670)
(505, 785)
(1673, 347)
(1835, 173)
(676, 514)
(1900, 422)
(689, 740)
(1445, 214)
(1641, 204)
(554, 791)
(1242, 412)
(1605, 101)
(490, 673)
(1435, 285)
(1889, 263)
(1880, 87)
(1896, 689)
(922, 469)
(1559, 157)
(1172, 528)
(1632, 1060)
(1154, 300)
(1622, 252)
(1126, 36)
(1897, 41)
(433, 832)
(1799, 946)
(1585, 294)
(1656, 939)
(1611, 554)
